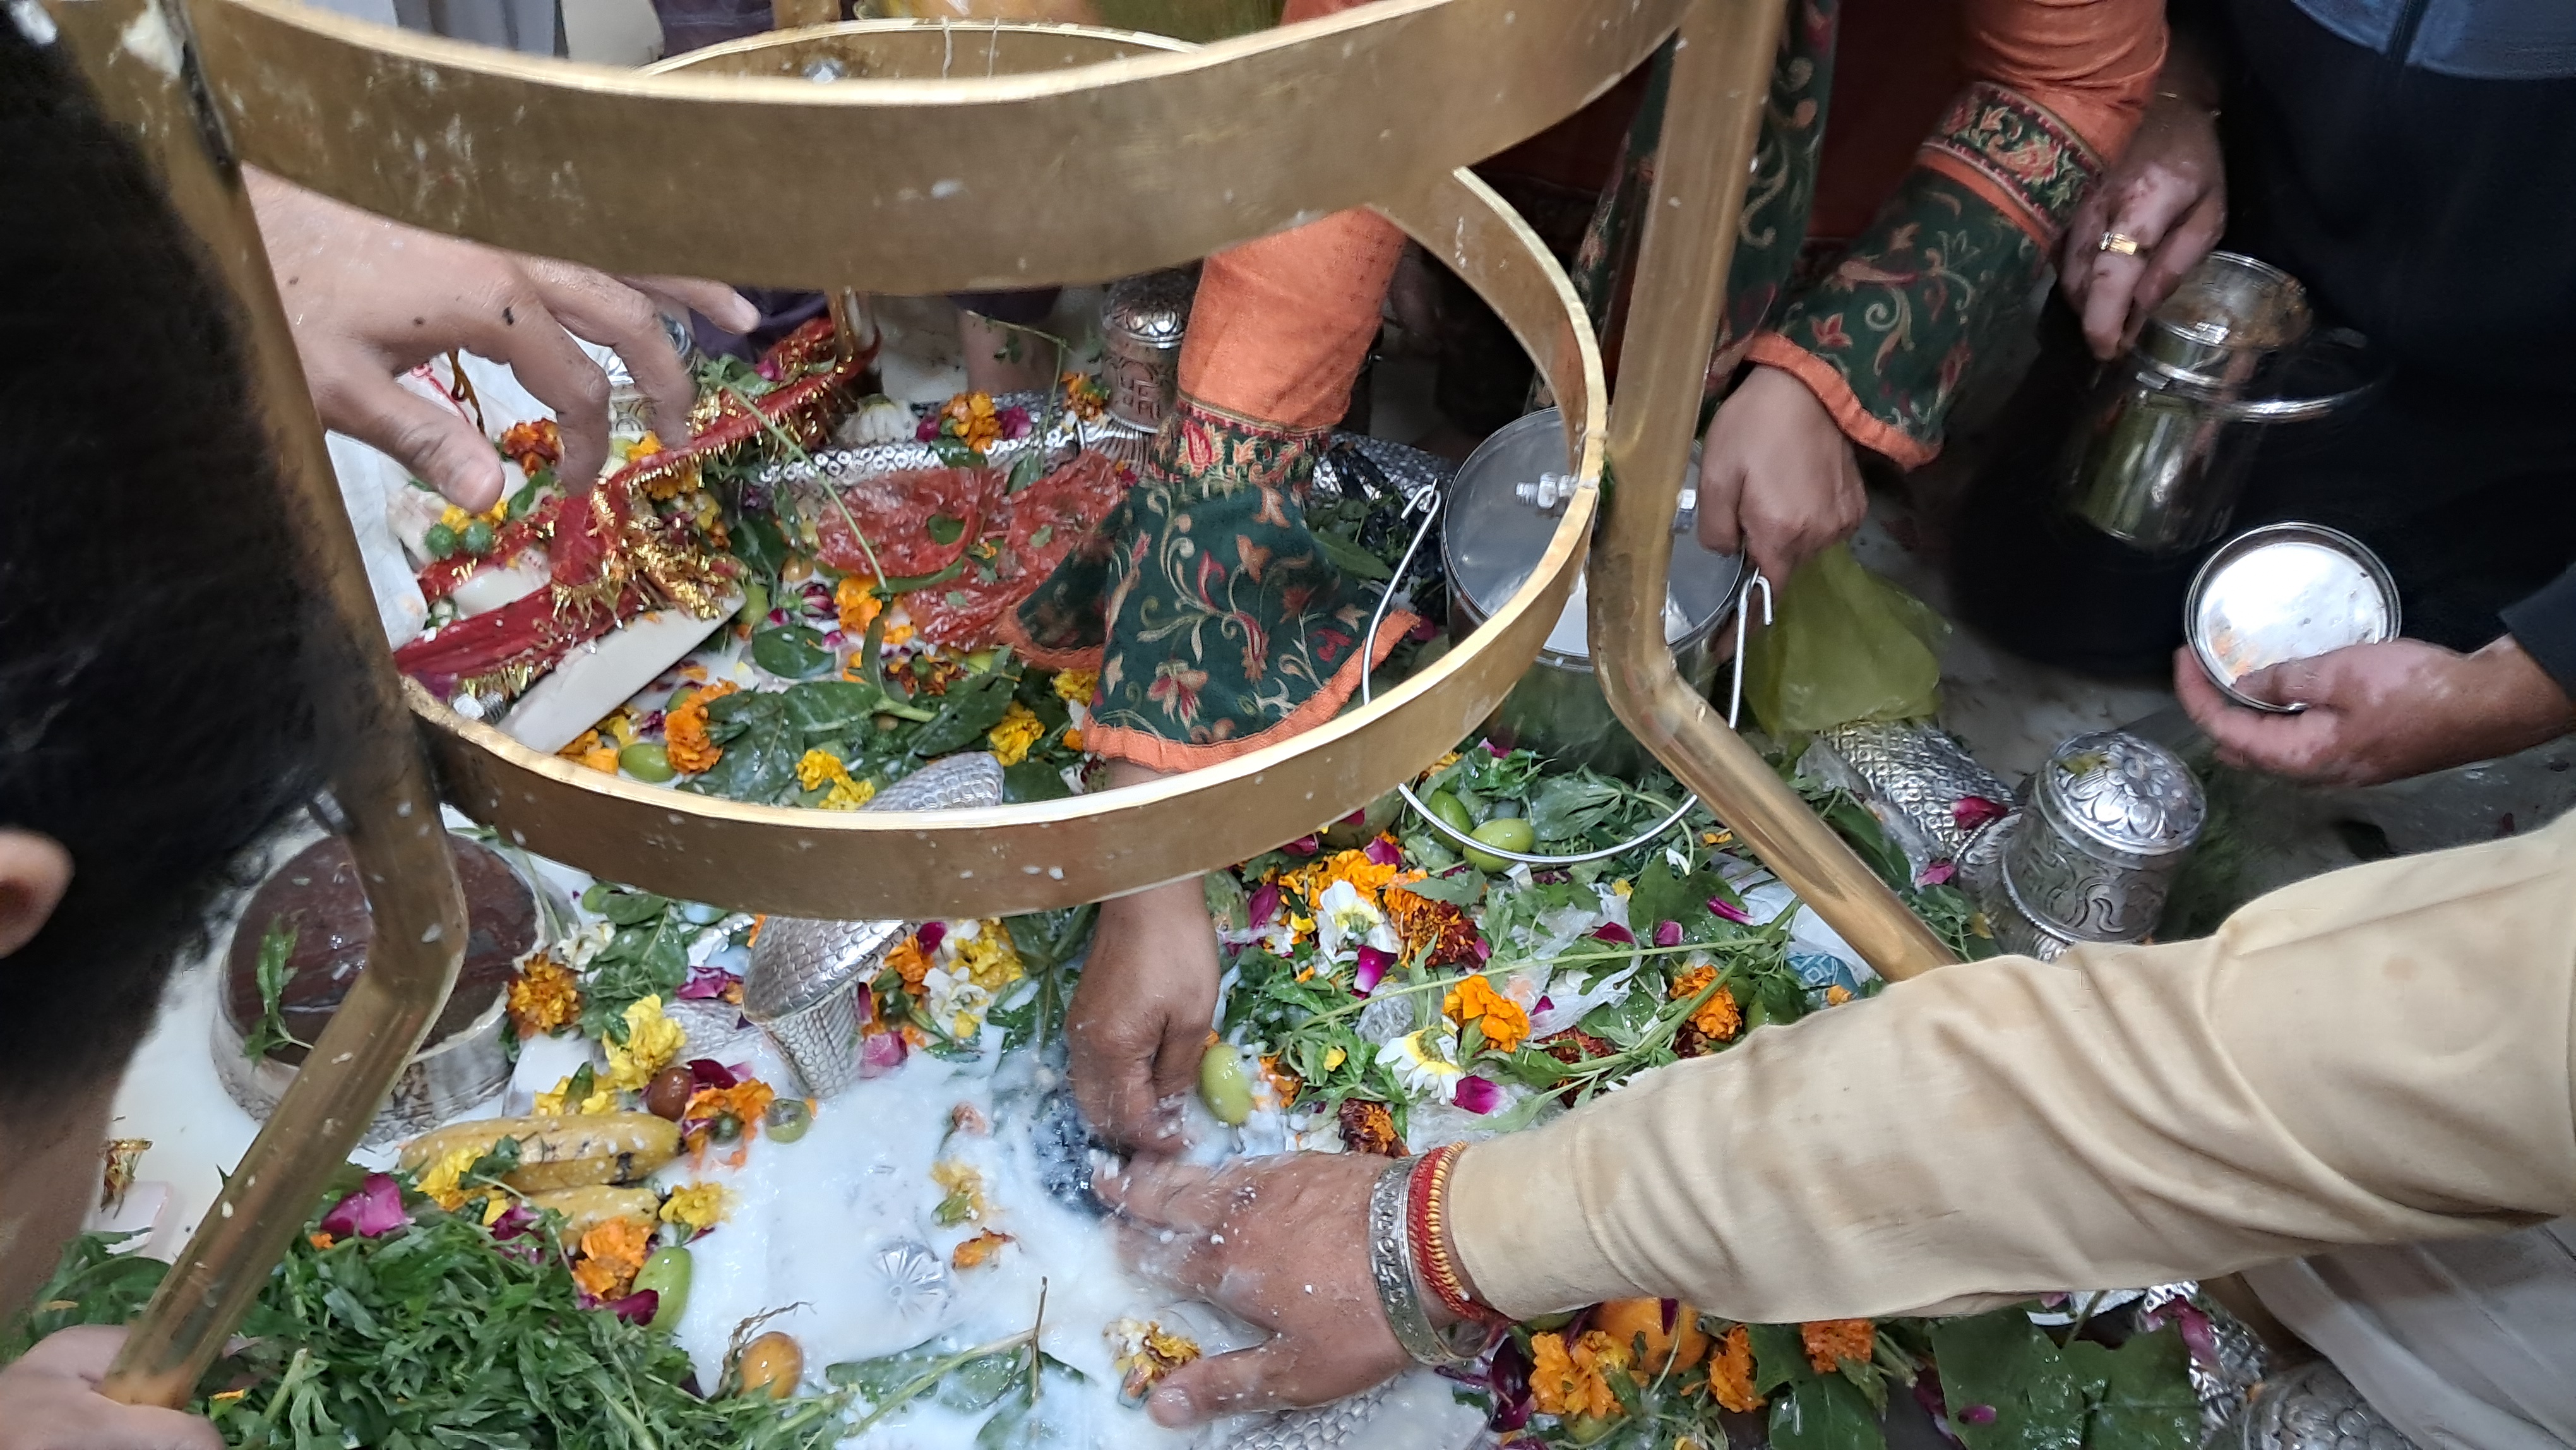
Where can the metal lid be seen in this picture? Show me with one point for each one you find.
(2229, 313)
(799, 962)
(2119, 798)
(1153, 309)
(2286, 592)
(1496, 532)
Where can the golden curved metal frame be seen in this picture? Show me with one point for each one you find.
(1080, 174)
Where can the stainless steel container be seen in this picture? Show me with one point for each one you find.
(1141, 326)
(1500, 516)
(2171, 429)
(802, 986)
(2110, 821)
(2286, 592)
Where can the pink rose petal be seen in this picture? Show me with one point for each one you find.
(1382, 852)
(706, 1072)
(930, 934)
(638, 1307)
(928, 430)
(1356, 818)
(705, 982)
(1725, 910)
(1668, 933)
(1611, 931)
(881, 1054)
(1977, 1415)
(1265, 903)
(1373, 965)
(1971, 811)
(1477, 1094)
(1937, 874)
(1303, 846)
(371, 1212)
(1494, 750)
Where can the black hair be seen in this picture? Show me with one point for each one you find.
(157, 698)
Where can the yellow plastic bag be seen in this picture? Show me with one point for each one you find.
(1843, 645)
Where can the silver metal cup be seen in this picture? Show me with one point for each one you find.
(2111, 820)
(1141, 326)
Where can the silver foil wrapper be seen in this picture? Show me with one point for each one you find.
(1055, 435)
(802, 986)
(2226, 1384)
(1913, 776)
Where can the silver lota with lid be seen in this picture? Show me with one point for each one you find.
(1142, 323)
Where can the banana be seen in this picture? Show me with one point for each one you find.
(575, 1150)
(584, 1209)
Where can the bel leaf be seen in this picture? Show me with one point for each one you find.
(2002, 1361)
(1350, 558)
(970, 708)
(790, 651)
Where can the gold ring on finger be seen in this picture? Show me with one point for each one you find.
(2120, 242)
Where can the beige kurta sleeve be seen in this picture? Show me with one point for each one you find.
(2377, 1055)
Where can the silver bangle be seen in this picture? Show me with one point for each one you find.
(1399, 1282)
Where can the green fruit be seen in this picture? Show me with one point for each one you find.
(477, 538)
(439, 542)
(1511, 833)
(1224, 1086)
(725, 1129)
(755, 604)
(646, 761)
(667, 1273)
(787, 1119)
(1451, 811)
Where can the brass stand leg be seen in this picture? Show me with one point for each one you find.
(1721, 76)
(378, 775)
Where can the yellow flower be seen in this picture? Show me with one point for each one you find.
(455, 518)
(1335, 1058)
(1837, 994)
(818, 768)
(698, 1207)
(898, 633)
(964, 1187)
(1573, 1380)
(443, 1181)
(847, 795)
(644, 447)
(989, 958)
(857, 601)
(1507, 1025)
(972, 420)
(544, 998)
(1076, 687)
(496, 1208)
(602, 1099)
(1018, 731)
(652, 1041)
(1718, 1018)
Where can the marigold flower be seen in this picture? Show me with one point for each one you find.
(544, 998)
(1370, 1128)
(652, 1042)
(989, 958)
(911, 962)
(744, 1102)
(1506, 1024)
(1084, 397)
(533, 444)
(963, 1185)
(816, 769)
(1018, 730)
(684, 732)
(1831, 1341)
(443, 1182)
(1573, 1380)
(1730, 1372)
(856, 599)
(979, 1250)
(1439, 934)
(847, 795)
(590, 750)
(644, 447)
(697, 1207)
(610, 1255)
(1072, 739)
(1718, 1018)
(1076, 687)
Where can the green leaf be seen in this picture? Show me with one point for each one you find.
(1033, 780)
(1824, 1412)
(979, 1382)
(625, 906)
(1566, 806)
(1350, 558)
(2146, 1401)
(944, 530)
(907, 583)
(1026, 469)
(789, 651)
(969, 709)
(269, 1033)
(2002, 1361)
(956, 454)
(1458, 888)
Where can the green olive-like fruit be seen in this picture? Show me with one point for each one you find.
(1511, 833)
(755, 604)
(725, 1129)
(1224, 1085)
(646, 760)
(1451, 811)
(439, 542)
(476, 539)
(787, 1119)
(667, 1273)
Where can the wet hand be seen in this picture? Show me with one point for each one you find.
(1281, 1243)
(2168, 194)
(1140, 1016)
(49, 1400)
(369, 300)
(2380, 712)
(1777, 478)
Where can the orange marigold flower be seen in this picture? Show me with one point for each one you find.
(1072, 738)
(856, 599)
(1507, 1025)
(1370, 1128)
(744, 1102)
(545, 997)
(1366, 876)
(1573, 1380)
(1831, 1341)
(610, 1255)
(684, 732)
(911, 962)
(1718, 1018)
(533, 444)
(320, 1240)
(1437, 933)
(979, 1250)
(1730, 1372)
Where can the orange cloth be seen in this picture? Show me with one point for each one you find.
(2091, 63)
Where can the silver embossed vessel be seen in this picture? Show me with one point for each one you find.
(2110, 821)
(1141, 325)
(1981, 875)
(802, 985)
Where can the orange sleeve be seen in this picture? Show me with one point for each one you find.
(2056, 87)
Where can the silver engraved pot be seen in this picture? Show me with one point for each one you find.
(1141, 326)
(2313, 1407)
(2110, 821)
(1981, 875)
(804, 984)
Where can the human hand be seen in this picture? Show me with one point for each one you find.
(1281, 1243)
(49, 1400)
(2380, 712)
(1141, 1010)
(369, 300)
(2168, 193)
(1777, 478)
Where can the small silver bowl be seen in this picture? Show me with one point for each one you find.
(2286, 592)
(2111, 820)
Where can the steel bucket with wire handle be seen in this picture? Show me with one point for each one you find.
(1501, 510)
(2170, 431)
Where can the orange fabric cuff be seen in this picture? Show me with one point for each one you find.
(1834, 391)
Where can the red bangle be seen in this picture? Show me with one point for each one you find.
(1426, 1225)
